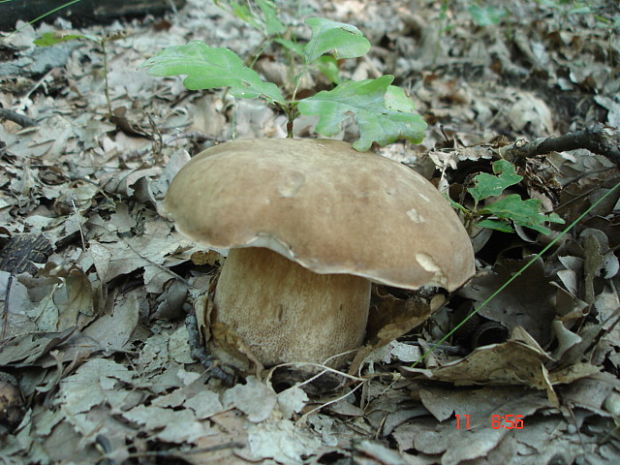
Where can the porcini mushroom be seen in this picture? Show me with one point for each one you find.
(309, 224)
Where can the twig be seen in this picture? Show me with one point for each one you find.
(597, 138)
(5, 316)
(37, 84)
(23, 120)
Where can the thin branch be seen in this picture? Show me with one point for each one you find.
(597, 138)
(5, 315)
(23, 120)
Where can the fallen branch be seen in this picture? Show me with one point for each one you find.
(598, 138)
(23, 120)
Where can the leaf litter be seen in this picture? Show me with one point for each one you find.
(94, 331)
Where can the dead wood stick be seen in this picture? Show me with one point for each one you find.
(597, 138)
(23, 120)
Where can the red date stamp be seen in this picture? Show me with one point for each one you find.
(497, 421)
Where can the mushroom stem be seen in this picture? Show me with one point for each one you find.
(283, 312)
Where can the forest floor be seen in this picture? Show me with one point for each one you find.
(96, 360)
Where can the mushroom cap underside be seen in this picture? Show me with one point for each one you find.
(327, 207)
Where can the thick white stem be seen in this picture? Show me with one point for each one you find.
(286, 313)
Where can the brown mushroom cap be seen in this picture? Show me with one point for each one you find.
(325, 206)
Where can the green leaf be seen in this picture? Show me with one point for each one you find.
(487, 185)
(457, 206)
(345, 40)
(502, 226)
(245, 14)
(269, 23)
(328, 66)
(555, 218)
(53, 38)
(397, 99)
(365, 101)
(273, 25)
(522, 212)
(208, 67)
(486, 16)
(294, 47)
(242, 12)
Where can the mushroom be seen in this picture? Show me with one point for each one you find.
(309, 224)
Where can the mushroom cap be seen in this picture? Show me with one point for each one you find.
(325, 206)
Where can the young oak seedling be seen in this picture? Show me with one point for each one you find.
(510, 209)
(382, 111)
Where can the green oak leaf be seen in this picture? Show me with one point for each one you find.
(270, 24)
(294, 47)
(328, 66)
(522, 212)
(487, 185)
(244, 13)
(345, 40)
(456, 205)
(273, 25)
(365, 101)
(497, 225)
(397, 99)
(208, 67)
